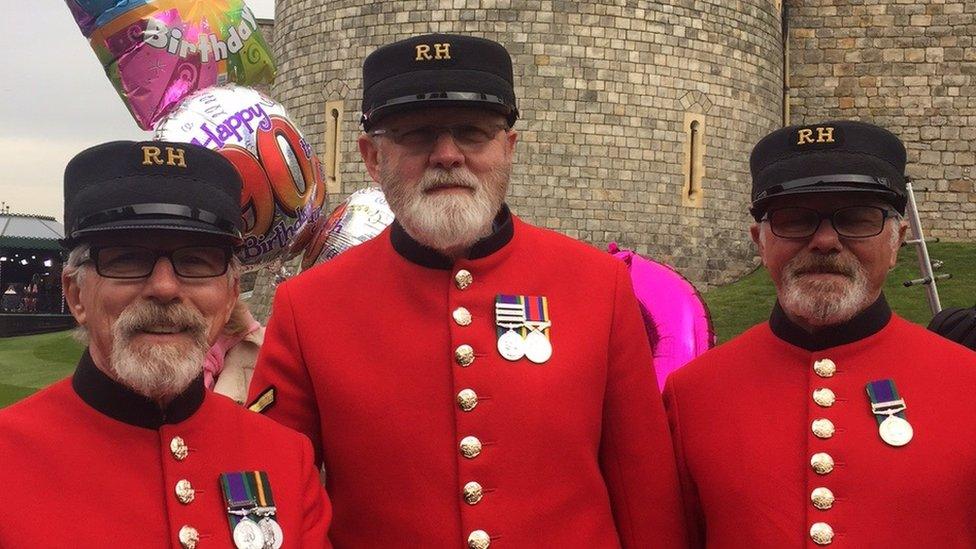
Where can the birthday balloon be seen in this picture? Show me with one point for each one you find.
(678, 325)
(361, 217)
(158, 52)
(283, 191)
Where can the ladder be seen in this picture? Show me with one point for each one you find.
(926, 265)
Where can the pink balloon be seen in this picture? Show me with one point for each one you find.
(679, 327)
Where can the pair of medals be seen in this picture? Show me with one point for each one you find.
(251, 510)
(523, 325)
(889, 411)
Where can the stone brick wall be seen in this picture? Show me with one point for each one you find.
(909, 66)
(604, 89)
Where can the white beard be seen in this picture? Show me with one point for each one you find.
(453, 221)
(158, 371)
(824, 303)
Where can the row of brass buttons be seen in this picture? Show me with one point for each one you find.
(188, 535)
(822, 497)
(467, 400)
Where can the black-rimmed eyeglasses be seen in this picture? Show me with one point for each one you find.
(849, 222)
(139, 262)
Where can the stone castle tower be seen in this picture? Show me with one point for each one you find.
(639, 116)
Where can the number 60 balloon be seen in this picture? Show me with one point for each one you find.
(283, 190)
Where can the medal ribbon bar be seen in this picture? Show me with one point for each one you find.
(510, 314)
(885, 401)
(537, 313)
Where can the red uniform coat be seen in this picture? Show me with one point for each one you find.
(574, 452)
(742, 417)
(86, 463)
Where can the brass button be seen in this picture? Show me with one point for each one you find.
(184, 491)
(822, 498)
(823, 428)
(467, 399)
(825, 367)
(472, 493)
(464, 355)
(822, 463)
(821, 533)
(463, 279)
(478, 539)
(189, 537)
(824, 397)
(462, 316)
(470, 447)
(178, 448)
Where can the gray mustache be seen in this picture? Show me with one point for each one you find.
(141, 316)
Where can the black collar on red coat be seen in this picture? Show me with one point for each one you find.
(868, 322)
(502, 231)
(119, 402)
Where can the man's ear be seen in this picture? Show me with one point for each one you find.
(72, 295)
(511, 137)
(754, 232)
(370, 153)
(902, 234)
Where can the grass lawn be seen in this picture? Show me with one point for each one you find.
(748, 301)
(31, 362)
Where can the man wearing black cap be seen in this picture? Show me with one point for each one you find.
(468, 379)
(131, 449)
(837, 422)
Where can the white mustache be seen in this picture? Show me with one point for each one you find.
(436, 178)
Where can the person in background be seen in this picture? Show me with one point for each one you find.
(230, 361)
(11, 299)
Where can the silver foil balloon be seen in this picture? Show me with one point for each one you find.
(361, 217)
(283, 191)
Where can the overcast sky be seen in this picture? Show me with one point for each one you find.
(55, 101)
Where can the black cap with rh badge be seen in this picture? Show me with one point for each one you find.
(836, 156)
(124, 185)
(438, 70)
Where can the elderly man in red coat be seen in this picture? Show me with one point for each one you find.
(131, 451)
(837, 422)
(468, 380)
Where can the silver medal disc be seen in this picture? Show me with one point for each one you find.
(511, 345)
(538, 349)
(896, 431)
(248, 535)
(273, 536)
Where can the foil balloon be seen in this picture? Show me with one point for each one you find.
(679, 327)
(283, 191)
(157, 52)
(361, 217)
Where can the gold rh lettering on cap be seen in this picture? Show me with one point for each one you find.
(441, 51)
(825, 134)
(153, 155)
(175, 157)
(150, 155)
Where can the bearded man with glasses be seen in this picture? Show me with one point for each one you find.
(837, 422)
(468, 379)
(132, 449)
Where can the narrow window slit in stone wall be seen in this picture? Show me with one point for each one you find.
(694, 162)
(333, 140)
